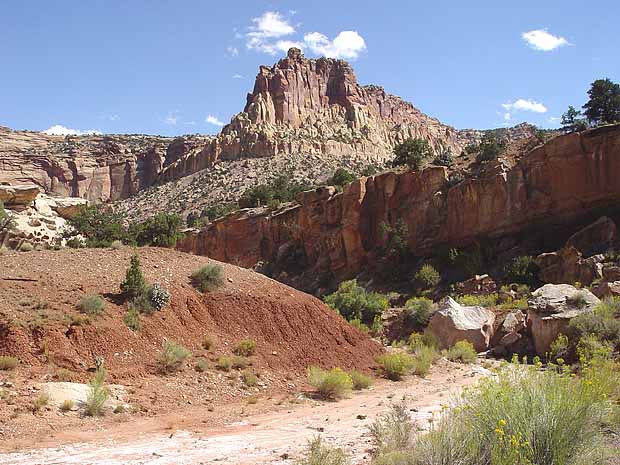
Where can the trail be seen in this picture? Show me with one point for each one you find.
(270, 438)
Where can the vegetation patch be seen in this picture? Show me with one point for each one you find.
(8, 363)
(92, 305)
(396, 365)
(246, 348)
(208, 278)
(172, 356)
(462, 351)
(330, 384)
(353, 302)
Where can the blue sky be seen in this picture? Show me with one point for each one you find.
(164, 67)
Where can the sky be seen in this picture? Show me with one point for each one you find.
(184, 67)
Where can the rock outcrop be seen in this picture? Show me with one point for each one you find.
(335, 234)
(453, 322)
(550, 310)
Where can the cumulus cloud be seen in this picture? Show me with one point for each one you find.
(237, 76)
(347, 44)
(522, 105)
(270, 33)
(60, 130)
(213, 120)
(540, 39)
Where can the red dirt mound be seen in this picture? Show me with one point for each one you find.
(39, 318)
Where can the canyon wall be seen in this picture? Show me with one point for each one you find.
(336, 233)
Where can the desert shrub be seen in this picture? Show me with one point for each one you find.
(40, 401)
(396, 365)
(445, 158)
(590, 348)
(132, 318)
(332, 384)
(603, 322)
(522, 270)
(208, 278)
(75, 243)
(201, 365)
(92, 305)
(281, 189)
(98, 225)
(426, 339)
(246, 348)
(578, 300)
(423, 358)
(341, 178)
(427, 276)
(208, 343)
(322, 454)
(97, 394)
(421, 309)
(142, 304)
(395, 246)
(414, 153)
(392, 433)
(521, 416)
(26, 247)
(357, 323)
(240, 362)
(462, 351)
(116, 245)
(172, 356)
(161, 230)
(6, 219)
(224, 363)
(353, 302)
(63, 375)
(217, 211)
(559, 348)
(8, 363)
(67, 405)
(119, 409)
(158, 296)
(490, 147)
(360, 380)
(249, 378)
(134, 284)
(487, 300)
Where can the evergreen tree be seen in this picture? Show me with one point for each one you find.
(413, 152)
(572, 122)
(604, 104)
(135, 283)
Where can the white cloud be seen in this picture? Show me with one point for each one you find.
(347, 44)
(237, 76)
(269, 30)
(232, 51)
(59, 130)
(522, 105)
(213, 120)
(540, 39)
(113, 117)
(171, 119)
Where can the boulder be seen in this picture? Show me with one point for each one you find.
(18, 197)
(611, 272)
(551, 308)
(478, 285)
(453, 322)
(567, 265)
(67, 207)
(594, 238)
(607, 289)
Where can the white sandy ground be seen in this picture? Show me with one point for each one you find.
(273, 438)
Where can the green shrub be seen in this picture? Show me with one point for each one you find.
(357, 323)
(75, 243)
(39, 402)
(249, 378)
(321, 454)
(119, 409)
(488, 300)
(281, 189)
(158, 296)
(67, 405)
(208, 343)
(208, 278)
(134, 284)
(396, 365)
(172, 356)
(426, 339)
(116, 245)
(490, 147)
(423, 358)
(462, 351)
(341, 178)
(99, 225)
(224, 363)
(246, 348)
(201, 365)
(7, 223)
(392, 433)
(92, 305)
(161, 230)
(577, 300)
(360, 380)
(332, 384)
(427, 276)
(141, 304)
(8, 363)
(353, 302)
(603, 322)
(395, 241)
(414, 153)
(421, 309)
(521, 416)
(559, 348)
(132, 318)
(522, 270)
(97, 394)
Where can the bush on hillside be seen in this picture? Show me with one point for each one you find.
(172, 356)
(603, 322)
(134, 284)
(161, 230)
(246, 348)
(279, 190)
(419, 340)
(354, 302)
(360, 380)
(341, 178)
(490, 147)
(158, 296)
(97, 394)
(522, 270)
(332, 384)
(427, 276)
(420, 310)
(208, 278)
(414, 153)
(6, 220)
(396, 365)
(462, 351)
(92, 304)
(98, 225)
(395, 246)
(8, 363)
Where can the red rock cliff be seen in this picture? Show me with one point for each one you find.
(559, 181)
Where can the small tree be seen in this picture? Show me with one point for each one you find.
(161, 230)
(413, 152)
(6, 220)
(135, 283)
(490, 147)
(98, 225)
(604, 104)
(341, 177)
(572, 122)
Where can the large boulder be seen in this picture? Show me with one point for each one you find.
(18, 197)
(453, 322)
(607, 289)
(594, 238)
(550, 310)
(567, 265)
(67, 207)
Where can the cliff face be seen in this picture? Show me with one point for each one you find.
(336, 233)
(313, 106)
(97, 168)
